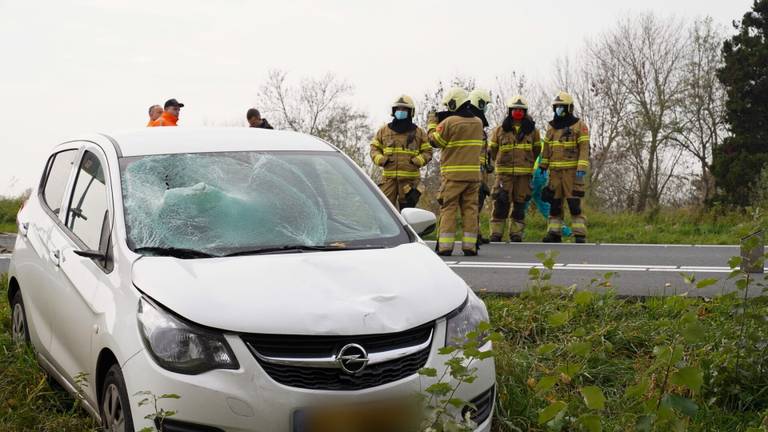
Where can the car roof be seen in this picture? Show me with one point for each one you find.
(173, 140)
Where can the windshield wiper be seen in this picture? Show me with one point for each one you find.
(300, 248)
(174, 252)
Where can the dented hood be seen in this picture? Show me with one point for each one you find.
(319, 293)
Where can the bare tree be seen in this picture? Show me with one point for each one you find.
(644, 57)
(319, 107)
(702, 114)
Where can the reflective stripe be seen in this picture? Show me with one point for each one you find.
(563, 164)
(469, 240)
(510, 147)
(464, 143)
(400, 173)
(460, 168)
(583, 164)
(377, 158)
(425, 146)
(492, 144)
(578, 225)
(514, 170)
(432, 126)
(584, 138)
(440, 141)
(543, 161)
(421, 160)
(376, 144)
(564, 144)
(555, 227)
(395, 150)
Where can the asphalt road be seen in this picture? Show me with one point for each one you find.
(640, 270)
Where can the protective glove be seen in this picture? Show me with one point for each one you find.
(580, 174)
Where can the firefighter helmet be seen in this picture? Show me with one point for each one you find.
(563, 98)
(404, 101)
(480, 98)
(517, 102)
(455, 98)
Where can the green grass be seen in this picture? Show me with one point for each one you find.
(667, 226)
(8, 209)
(27, 401)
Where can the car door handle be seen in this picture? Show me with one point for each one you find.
(55, 257)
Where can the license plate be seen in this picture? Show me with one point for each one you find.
(373, 417)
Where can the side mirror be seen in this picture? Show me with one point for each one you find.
(422, 221)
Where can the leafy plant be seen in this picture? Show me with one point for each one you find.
(160, 414)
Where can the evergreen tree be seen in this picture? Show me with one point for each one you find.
(738, 162)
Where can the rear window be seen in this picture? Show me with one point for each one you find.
(56, 177)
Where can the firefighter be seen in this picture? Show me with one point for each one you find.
(566, 155)
(515, 145)
(401, 148)
(460, 138)
(479, 100)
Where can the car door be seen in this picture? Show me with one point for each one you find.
(35, 263)
(87, 226)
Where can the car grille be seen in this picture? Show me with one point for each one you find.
(483, 406)
(319, 378)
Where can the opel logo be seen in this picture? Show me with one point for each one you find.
(352, 359)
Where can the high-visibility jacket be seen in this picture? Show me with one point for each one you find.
(167, 119)
(514, 152)
(566, 148)
(400, 154)
(462, 143)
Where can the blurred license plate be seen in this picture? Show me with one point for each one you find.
(374, 417)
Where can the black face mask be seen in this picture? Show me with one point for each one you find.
(477, 112)
(402, 126)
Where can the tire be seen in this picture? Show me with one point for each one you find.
(114, 404)
(19, 326)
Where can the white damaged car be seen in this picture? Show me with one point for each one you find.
(258, 275)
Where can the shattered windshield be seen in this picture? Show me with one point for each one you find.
(227, 203)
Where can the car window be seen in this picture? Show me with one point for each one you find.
(89, 203)
(56, 177)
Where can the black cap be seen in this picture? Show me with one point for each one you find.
(173, 103)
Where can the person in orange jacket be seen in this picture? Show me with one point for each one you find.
(155, 111)
(170, 114)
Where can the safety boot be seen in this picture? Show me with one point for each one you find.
(580, 239)
(516, 238)
(445, 253)
(552, 238)
(496, 238)
(469, 252)
(481, 239)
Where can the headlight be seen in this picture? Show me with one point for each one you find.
(465, 320)
(179, 347)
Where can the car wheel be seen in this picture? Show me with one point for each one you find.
(19, 327)
(115, 407)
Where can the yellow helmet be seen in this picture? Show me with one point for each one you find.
(480, 98)
(517, 102)
(454, 98)
(563, 98)
(404, 101)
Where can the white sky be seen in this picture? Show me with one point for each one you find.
(79, 66)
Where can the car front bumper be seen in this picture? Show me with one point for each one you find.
(247, 399)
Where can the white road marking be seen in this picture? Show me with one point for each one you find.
(590, 267)
(5, 256)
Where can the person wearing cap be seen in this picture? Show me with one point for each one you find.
(155, 111)
(170, 114)
(255, 121)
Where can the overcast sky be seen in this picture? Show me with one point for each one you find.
(78, 66)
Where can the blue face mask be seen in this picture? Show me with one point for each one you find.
(560, 111)
(401, 115)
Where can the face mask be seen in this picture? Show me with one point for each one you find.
(518, 114)
(401, 115)
(560, 111)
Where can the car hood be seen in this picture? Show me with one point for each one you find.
(320, 293)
